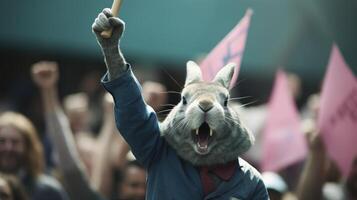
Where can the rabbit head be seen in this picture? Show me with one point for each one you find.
(202, 127)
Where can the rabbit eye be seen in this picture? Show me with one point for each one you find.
(225, 102)
(184, 102)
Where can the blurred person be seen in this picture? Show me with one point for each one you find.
(321, 179)
(154, 94)
(110, 157)
(327, 183)
(11, 188)
(311, 108)
(131, 182)
(21, 154)
(76, 107)
(77, 182)
(45, 75)
(275, 184)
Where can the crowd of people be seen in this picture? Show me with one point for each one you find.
(71, 161)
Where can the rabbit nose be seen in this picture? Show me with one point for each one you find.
(205, 105)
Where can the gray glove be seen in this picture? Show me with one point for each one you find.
(114, 60)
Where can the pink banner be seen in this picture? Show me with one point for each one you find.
(230, 49)
(338, 112)
(283, 140)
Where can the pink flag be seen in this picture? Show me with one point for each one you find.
(283, 141)
(230, 49)
(338, 112)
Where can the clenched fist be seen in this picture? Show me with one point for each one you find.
(106, 21)
(113, 58)
(45, 74)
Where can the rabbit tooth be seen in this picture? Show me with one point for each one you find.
(210, 132)
(196, 131)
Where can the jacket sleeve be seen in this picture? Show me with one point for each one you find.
(136, 121)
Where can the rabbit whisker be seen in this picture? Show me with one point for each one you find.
(162, 111)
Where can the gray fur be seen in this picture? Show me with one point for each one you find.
(225, 75)
(113, 57)
(230, 139)
(193, 73)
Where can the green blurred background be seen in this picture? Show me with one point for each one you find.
(294, 34)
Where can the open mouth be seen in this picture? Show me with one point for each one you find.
(202, 137)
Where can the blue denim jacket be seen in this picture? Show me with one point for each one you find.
(170, 177)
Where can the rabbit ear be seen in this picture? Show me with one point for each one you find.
(224, 76)
(193, 73)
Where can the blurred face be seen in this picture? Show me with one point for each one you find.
(5, 191)
(12, 149)
(133, 186)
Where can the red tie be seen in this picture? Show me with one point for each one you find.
(223, 171)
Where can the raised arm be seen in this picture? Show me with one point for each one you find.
(113, 57)
(312, 177)
(135, 120)
(111, 153)
(45, 75)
